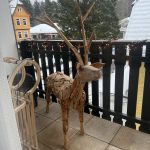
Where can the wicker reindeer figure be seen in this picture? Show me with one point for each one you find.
(70, 92)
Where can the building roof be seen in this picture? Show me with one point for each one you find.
(139, 23)
(42, 28)
(13, 4)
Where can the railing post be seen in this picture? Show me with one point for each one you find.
(50, 54)
(57, 55)
(42, 47)
(35, 49)
(42, 52)
(95, 84)
(120, 53)
(134, 63)
(106, 58)
(146, 95)
(26, 52)
(86, 108)
(65, 57)
(74, 62)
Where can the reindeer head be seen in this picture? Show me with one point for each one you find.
(85, 71)
(89, 72)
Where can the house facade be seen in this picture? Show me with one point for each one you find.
(21, 20)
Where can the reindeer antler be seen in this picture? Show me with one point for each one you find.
(48, 21)
(86, 43)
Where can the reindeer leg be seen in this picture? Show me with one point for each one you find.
(81, 111)
(48, 93)
(65, 115)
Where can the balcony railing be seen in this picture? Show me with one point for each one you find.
(105, 97)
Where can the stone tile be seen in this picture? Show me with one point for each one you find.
(86, 142)
(130, 139)
(42, 122)
(52, 136)
(74, 119)
(110, 147)
(44, 147)
(41, 104)
(54, 111)
(101, 129)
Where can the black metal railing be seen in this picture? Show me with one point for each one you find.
(56, 56)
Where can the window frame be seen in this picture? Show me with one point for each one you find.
(18, 21)
(19, 9)
(24, 20)
(26, 33)
(20, 34)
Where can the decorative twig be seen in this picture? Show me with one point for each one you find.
(82, 19)
(90, 40)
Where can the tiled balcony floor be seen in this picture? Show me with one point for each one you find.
(99, 133)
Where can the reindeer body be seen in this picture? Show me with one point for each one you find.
(59, 84)
(65, 89)
(70, 92)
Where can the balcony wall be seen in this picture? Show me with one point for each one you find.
(108, 98)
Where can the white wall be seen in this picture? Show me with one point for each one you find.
(9, 137)
(7, 36)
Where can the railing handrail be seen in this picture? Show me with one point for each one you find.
(101, 41)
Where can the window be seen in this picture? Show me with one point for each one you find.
(53, 36)
(19, 9)
(19, 35)
(24, 22)
(18, 22)
(35, 37)
(26, 34)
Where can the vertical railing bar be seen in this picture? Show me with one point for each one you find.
(106, 58)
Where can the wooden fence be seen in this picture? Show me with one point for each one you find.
(56, 56)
